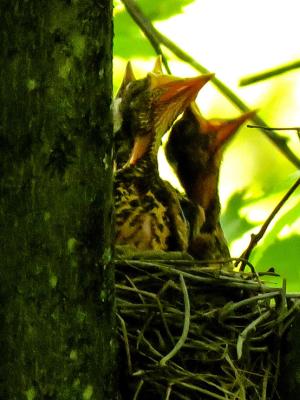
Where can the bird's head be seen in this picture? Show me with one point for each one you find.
(194, 150)
(150, 106)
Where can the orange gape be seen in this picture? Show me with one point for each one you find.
(194, 150)
(148, 212)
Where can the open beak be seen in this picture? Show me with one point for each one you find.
(222, 128)
(228, 128)
(171, 96)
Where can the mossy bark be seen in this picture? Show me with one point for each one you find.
(57, 288)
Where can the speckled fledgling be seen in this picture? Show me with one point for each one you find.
(194, 150)
(148, 213)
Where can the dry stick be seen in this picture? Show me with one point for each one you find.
(186, 325)
(196, 278)
(201, 390)
(248, 80)
(255, 238)
(138, 389)
(126, 342)
(164, 321)
(233, 282)
(168, 392)
(294, 309)
(158, 38)
(228, 309)
(265, 382)
(244, 334)
(237, 375)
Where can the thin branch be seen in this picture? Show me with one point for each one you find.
(158, 39)
(255, 238)
(248, 80)
(229, 308)
(147, 28)
(292, 128)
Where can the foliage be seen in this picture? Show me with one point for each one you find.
(127, 33)
(270, 174)
(129, 41)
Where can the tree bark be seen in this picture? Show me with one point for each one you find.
(57, 288)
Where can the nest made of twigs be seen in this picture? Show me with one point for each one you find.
(192, 330)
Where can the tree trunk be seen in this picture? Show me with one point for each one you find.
(57, 288)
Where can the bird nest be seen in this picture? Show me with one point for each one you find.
(192, 330)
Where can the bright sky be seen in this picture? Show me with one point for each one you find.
(234, 38)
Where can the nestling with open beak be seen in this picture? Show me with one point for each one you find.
(148, 213)
(194, 150)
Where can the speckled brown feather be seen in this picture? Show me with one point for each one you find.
(148, 213)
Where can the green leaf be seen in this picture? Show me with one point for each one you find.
(233, 223)
(160, 10)
(284, 256)
(286, 219)
(129, 41)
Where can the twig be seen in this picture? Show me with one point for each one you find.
(237, 375)
(158, 39)
(230, 307)
(186, 325)
(143, 22)
(168, 284)
(251, 266)
(288, 320)
(201, 390)
(138, 389)
(265, 382)
(293, 128)
(255, 238)
(248, 80)
(151, 348)
(223, 279)
(229, 283)
(134, 287)
(168, 392)
(126, 343)
(252, 326)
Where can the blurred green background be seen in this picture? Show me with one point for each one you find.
(235, 39)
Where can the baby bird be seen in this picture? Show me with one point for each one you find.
(148, 213)
(194, 150)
